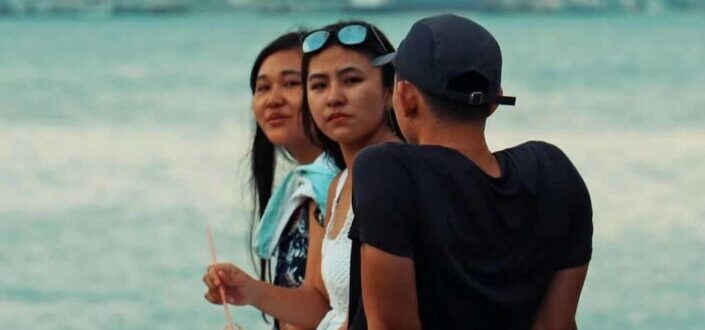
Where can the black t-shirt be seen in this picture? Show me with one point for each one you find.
(483, 248)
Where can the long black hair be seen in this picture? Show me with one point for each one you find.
(263, 152)
(371, 47)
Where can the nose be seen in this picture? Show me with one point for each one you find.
(275, 99)
(336, 97)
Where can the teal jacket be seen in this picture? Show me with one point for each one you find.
(304, 182)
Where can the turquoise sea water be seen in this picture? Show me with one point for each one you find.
(120, 139)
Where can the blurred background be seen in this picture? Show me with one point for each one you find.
(125, 127)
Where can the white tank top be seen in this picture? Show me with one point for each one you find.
(335, 265)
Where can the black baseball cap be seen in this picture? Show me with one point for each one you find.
(440, 48)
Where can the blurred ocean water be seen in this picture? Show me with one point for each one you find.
(120, 139)
(162, 7)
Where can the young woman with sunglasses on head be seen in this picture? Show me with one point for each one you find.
(289, 219)
(349, 100)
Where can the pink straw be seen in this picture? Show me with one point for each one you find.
(214, 260)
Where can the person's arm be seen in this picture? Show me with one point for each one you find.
(557, 311)
(313, 259)
(287, 312)
(560, 302)
(384, 203)
(301, 306)
(388, 290)
(304, 306)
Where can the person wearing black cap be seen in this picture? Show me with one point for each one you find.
(447, 234)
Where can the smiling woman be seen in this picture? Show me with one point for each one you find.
(290, 218)
(277, 100)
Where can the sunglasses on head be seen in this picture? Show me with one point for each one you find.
(349, 35)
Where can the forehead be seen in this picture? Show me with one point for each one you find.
(288, 60)
(335, 57)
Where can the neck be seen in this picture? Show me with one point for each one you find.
(466, 138)
(303, 153)
(351, 150)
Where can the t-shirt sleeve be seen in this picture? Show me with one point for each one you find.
(578, 242)
(383, 201)
(579, 251)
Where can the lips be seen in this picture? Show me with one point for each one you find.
(338, 116)
(275, 118)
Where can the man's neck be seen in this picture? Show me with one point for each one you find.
(466, 138)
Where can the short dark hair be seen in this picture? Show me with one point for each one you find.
(446, 109)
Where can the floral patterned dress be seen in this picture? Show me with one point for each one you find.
(293, 249)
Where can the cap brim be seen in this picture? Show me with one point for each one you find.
(384, 59)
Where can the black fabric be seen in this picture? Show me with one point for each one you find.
(484, 248)
(443, 47)
(292, 250)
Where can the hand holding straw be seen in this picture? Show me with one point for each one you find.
(214, 260)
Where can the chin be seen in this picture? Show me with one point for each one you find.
(345, 137)
(279, 136)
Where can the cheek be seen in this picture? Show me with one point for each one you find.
(371, 105)
(295, 99)
(316, 104)
(258, 107)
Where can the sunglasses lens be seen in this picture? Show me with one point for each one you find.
(315, 41)
(352, 34)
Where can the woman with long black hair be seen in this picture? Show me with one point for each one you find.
(290, 218)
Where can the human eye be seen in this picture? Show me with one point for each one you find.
(292, 83)
(262, 87)
(317, 85)
(351, 80)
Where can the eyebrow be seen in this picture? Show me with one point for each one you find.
(348, 69)
(340, 72)
(290, 72)
(283, 73)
